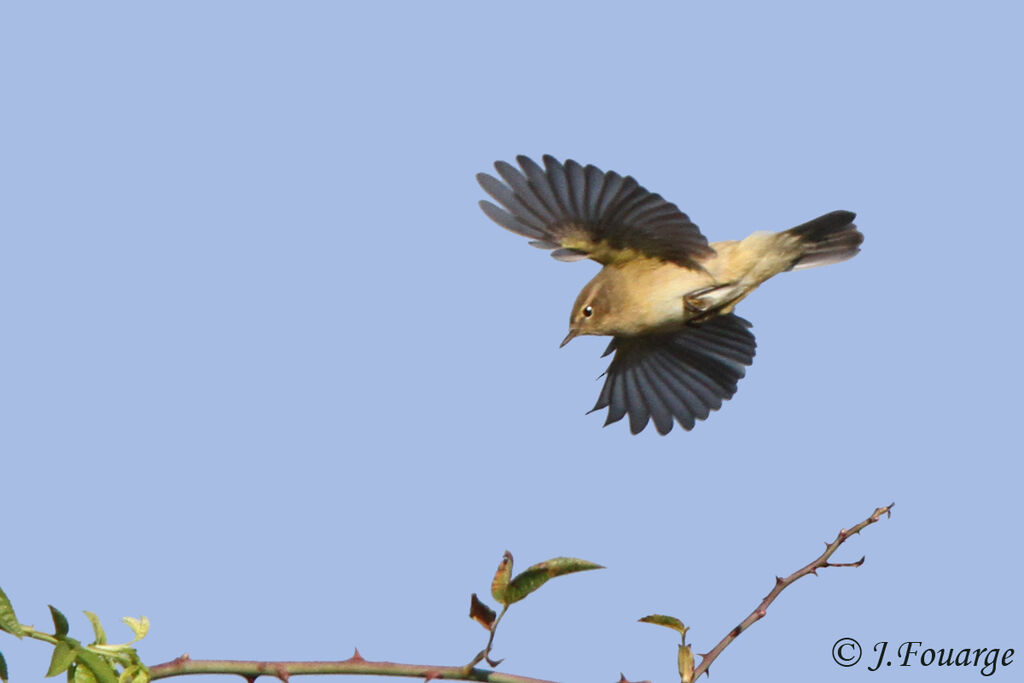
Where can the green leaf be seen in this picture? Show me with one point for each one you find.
(140, 627)
(60, 623)
(134, 674)
(499, 584)
(82, 675)
(63, 657)
(536, 576)
(98, 667)
(9, 622)
(97, 628)
(3, 668)
(667, 622)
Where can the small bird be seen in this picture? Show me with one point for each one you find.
(664, 295)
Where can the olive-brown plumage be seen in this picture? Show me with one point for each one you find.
(665, 295)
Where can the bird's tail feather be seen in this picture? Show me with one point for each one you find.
(827, 239)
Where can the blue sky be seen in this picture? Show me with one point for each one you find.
(271, 378)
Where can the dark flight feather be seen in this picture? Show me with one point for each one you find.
(677, 376)
(588, 211)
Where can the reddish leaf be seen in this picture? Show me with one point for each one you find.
(481, 613)
(501, 578)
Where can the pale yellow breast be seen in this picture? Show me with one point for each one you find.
(651, 293)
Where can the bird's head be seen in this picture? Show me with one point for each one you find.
(593, 312)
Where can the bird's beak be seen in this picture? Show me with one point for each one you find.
(568, 337)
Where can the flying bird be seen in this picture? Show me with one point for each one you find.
(665, 295)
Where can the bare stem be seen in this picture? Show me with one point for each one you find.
(38, 635)
(782, 583)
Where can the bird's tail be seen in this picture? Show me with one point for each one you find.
(827, 239)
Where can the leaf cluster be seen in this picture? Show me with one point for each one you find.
(96, 662)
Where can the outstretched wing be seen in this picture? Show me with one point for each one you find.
(676, 377)
(583, 212)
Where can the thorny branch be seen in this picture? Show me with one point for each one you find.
(782, 583)
(353, 665)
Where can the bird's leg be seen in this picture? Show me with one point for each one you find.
(706, 303)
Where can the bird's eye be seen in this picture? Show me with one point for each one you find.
(587, 311)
